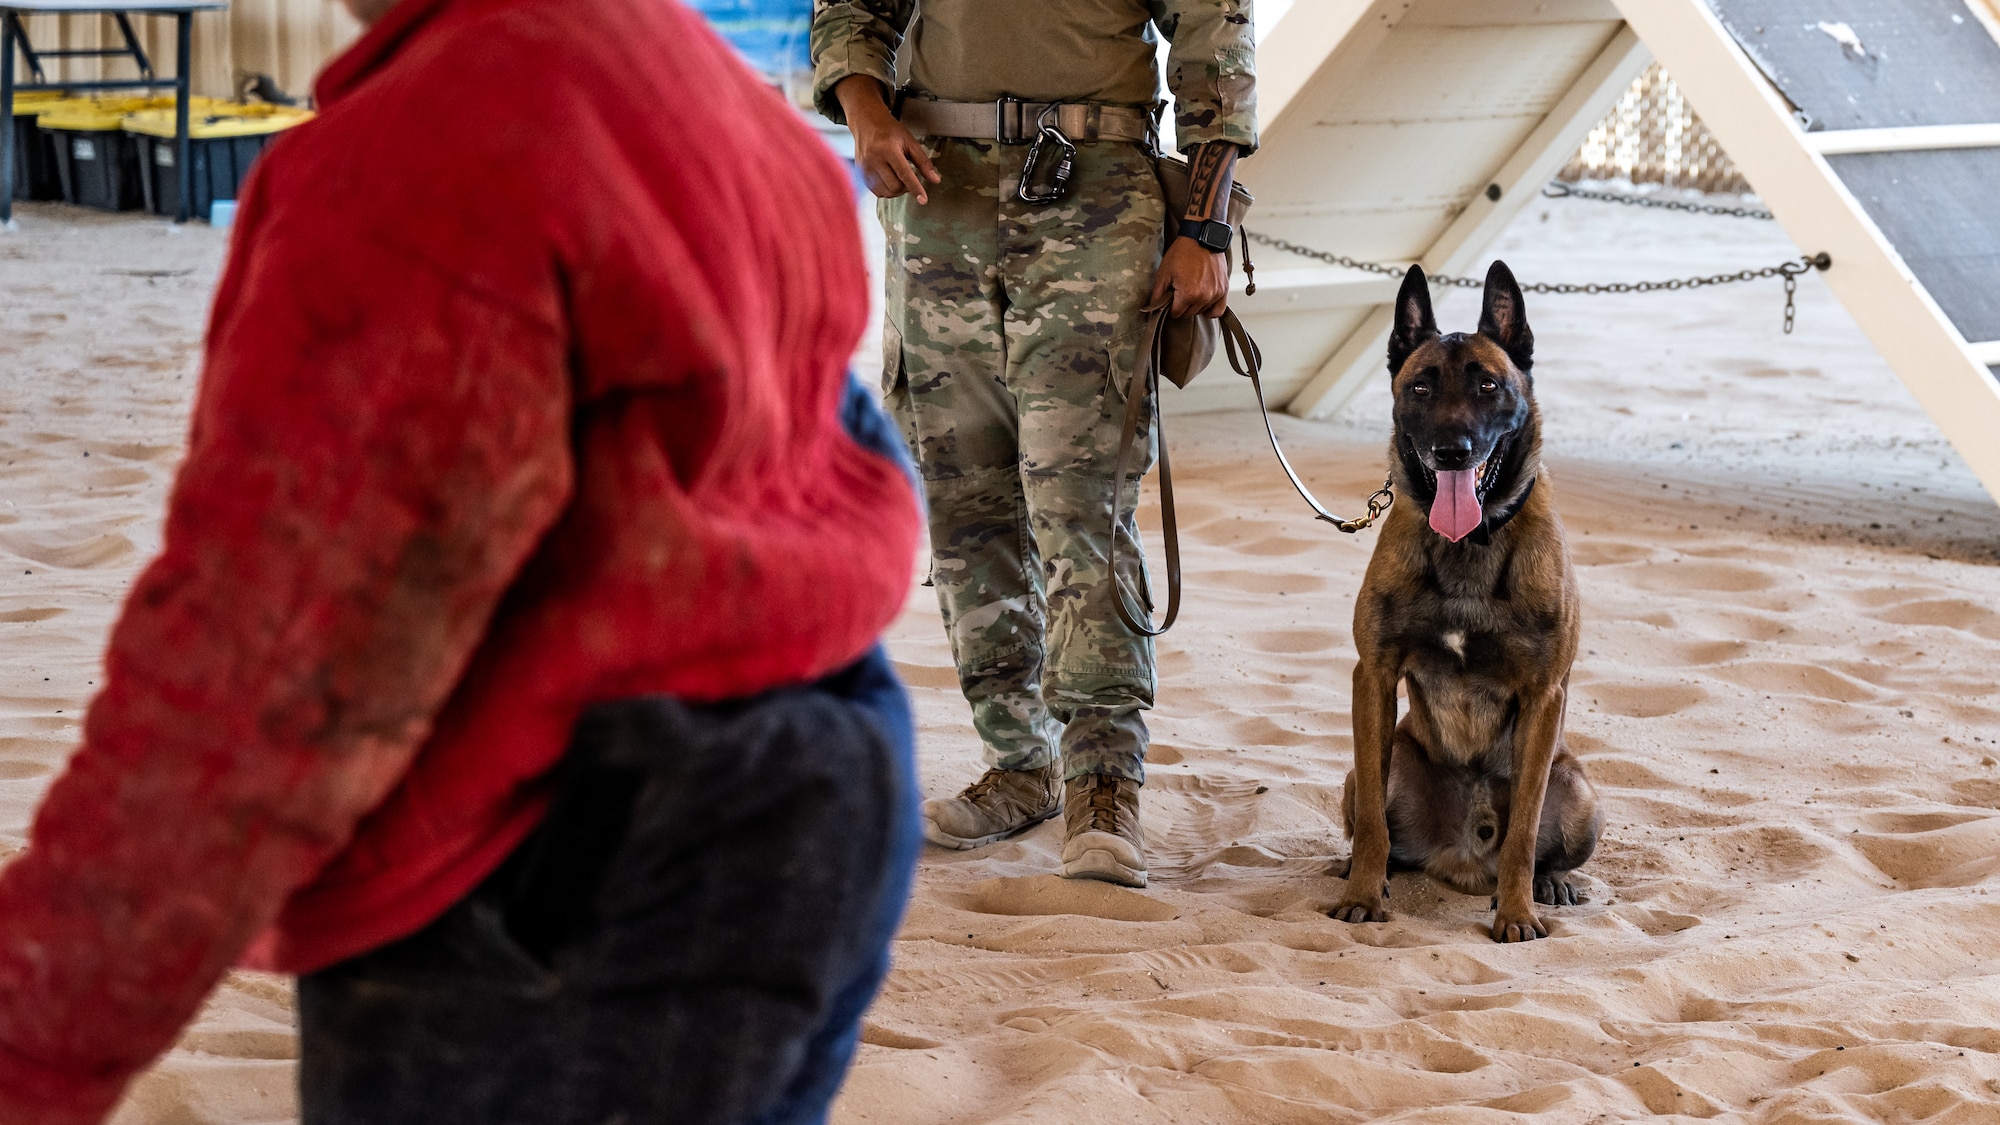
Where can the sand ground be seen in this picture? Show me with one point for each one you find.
(1789, 698)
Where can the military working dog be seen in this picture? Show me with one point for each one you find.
(1471, 604)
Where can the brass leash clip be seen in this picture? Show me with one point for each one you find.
(1377, 504)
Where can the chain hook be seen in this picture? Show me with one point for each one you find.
(1791, 272)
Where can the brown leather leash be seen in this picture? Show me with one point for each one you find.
(1248, 361)
(1139, 397)
(1143, 397)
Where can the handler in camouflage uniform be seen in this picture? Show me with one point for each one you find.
(1011, 340)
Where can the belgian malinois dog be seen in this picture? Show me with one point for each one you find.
(1470, 602)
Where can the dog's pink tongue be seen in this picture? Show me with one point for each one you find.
(1455, 513)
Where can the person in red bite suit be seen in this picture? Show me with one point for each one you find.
(510, 671)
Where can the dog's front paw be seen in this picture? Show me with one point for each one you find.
(1521, 925)
(1357, 907)
(1360, 910)
(1557, 890)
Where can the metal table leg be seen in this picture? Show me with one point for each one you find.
(183, 166)
(6, 119)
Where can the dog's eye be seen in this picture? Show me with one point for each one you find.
(1420, 389)
(1488, 386)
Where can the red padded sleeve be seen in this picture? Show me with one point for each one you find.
(375, 453)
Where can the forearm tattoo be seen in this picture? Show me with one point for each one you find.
(1211, 171)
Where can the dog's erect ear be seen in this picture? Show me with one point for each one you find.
(1504, 320)
(1414, 324)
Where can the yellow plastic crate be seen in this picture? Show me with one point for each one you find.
(219, 120)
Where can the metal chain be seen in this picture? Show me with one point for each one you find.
(1790, 271)
(1556, 189)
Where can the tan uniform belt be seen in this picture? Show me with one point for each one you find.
(1015, 122)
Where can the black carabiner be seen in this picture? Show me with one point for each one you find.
(1059, 179)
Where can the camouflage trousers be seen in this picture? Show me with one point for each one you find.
(1011, 338)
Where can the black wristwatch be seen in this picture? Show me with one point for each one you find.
(1213, 234)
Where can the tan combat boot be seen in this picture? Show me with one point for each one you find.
(999, 804)
(1103, 838)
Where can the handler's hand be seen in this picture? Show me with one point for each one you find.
(890, 159)
(1196, 277)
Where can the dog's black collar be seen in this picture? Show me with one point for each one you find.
(1494, 521)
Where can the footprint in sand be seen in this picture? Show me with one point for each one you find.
(275, 1043)
(1656, 923)
(1292, 642)
(1980, 792)
(1261, 730)
(1875, 597)
(1951, 613)
(1699, 653)
(84, 554)
(1606, 552)
(1662, 1093)
(1183, 960)
(1642, 701)
(876, 1035)
(1953, 856)
(1240, 855)
(1194, 514)
(1584, 745)
(1211, 811)
(1258, 582)
(1745, 625)
(116, 478)
(993, 980)
(1275, 545)
(1781, 677)
(1777, 851)
(133, 451)
(1624, 773)
(1042, 895)
(1448, 1056)
(1904, 823)
(1701, 577)
(927, 675)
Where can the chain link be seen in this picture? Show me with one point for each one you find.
(1790, 271)
(1378, 503)
(1556, 189)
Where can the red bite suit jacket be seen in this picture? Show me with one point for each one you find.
(520, 394)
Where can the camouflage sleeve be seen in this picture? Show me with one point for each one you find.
(855, 37)
(1211, 69)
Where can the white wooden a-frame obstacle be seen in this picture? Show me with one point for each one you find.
(1415, 130)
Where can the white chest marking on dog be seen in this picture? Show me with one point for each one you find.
(1456, 643)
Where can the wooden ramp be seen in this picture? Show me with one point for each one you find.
(1415, 130)
(1402, 131)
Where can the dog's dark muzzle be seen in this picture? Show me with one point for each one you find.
(1448, 457)
(1452, 456)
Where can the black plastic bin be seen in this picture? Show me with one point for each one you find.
(35, 176)
(219, 164)
(96, 161)
(222, 145)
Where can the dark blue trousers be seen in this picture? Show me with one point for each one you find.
(690, 938)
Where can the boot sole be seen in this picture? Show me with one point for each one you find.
(1101, 865)
(942, 839)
